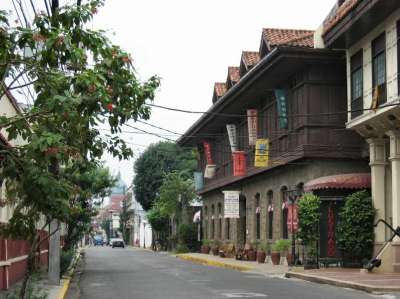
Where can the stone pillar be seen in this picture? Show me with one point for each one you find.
(377, 152)
(54, 253)
(395, 165)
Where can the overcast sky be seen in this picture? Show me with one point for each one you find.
(190, 45)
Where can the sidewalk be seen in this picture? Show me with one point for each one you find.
(230, 263)
(348, 278)
(351, 278)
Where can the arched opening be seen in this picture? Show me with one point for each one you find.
(258, 215)
(219, 221)
(242, 221)
(212, 222)
(284, 196)
(270, 209)
(206, 222)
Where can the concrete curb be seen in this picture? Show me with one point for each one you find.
(68, 276)
(207, 262)
(342, 283)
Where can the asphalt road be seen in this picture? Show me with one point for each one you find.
(138, 274)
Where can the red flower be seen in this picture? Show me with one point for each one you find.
(110, 107)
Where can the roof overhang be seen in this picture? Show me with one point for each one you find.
(271, 72)
(340, 181)
(358, 22)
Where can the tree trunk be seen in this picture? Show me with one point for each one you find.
(30, 265)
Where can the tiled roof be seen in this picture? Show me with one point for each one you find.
(288, 37)
(234, 73)
(219, 89)
(250, 58)
(338, 14)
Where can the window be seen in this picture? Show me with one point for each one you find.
(356, 67)
(398, 57)
(228, 228)
(258, 220)
(270, 196)
(379, 71)
(285, 232)
(219, 221)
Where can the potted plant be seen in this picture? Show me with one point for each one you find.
(205, 247)
(276, 253)
(252, 252)
(215, 247)
(284, 245)
(262, 251)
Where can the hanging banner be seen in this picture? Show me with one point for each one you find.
(209, 172)
(261, 158)
(198, 181)
(231, 204)
(281, 101)
(239, 163)
(252, 125)
(233, 138)
(207, 152)
(293, 218)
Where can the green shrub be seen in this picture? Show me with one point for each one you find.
(182, 248)
(65, 260)
(263, 246)
(309, 216)
(281, 245)
(355, 229)
(206, 242)
(187, 235)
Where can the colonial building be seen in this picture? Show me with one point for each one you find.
(369, 32)
(285, 110)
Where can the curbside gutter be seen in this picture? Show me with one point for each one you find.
(66, 279)
(201, 261)
(342, 283)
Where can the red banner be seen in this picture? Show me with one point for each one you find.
(292, 218)
(207, 152)
(239, 163)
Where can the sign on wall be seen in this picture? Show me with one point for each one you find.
(252, 125)
(261, 158)
(233, 137)
(281, 101)
(231, 204)
(207, 152)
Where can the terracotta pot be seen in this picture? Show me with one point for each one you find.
(276, 258)
(215, 250)
(205, 249)
(289, 258)
(261, 257)
(252, 255)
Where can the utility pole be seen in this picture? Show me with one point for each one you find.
(54, 253)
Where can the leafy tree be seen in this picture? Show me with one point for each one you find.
(80, 79)
(355, 230)
(309, 216)
(154, 164)
(124, 216)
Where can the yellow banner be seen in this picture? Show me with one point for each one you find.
(262, 153)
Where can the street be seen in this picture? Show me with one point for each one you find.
(141, 274)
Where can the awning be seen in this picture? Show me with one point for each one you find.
(340, 181)
(197, 217)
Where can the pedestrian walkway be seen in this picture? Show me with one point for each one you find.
(230, 263)
(351, 278)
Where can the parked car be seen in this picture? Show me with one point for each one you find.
(118, 243)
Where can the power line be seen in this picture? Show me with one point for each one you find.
(287, 116)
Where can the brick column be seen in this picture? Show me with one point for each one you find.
(378, 161)
(5, 268)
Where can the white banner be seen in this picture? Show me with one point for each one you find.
(231, 204)
(233, 138)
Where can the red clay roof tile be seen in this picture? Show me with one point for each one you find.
(219, 89)
(250, 58)
(234, 74)
(288, 37)
(338, 14)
